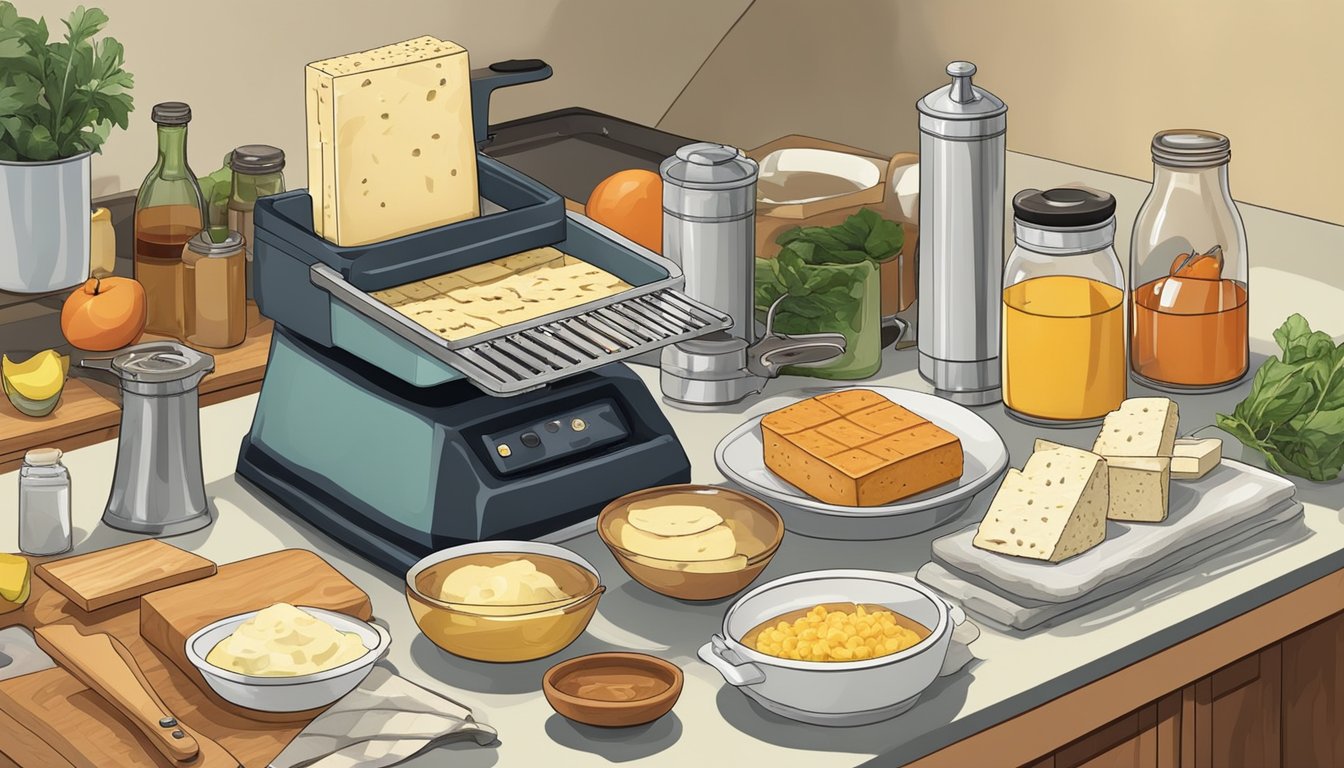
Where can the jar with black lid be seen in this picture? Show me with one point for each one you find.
(1063, 309)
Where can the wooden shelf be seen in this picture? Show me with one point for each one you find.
(90, 411)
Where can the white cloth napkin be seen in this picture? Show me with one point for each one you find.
(384, 721)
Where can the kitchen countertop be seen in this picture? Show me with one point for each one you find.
(712, 721)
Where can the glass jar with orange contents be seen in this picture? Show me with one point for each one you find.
(1188, 270)
(1063, 309)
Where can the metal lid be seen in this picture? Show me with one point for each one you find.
(706, 165)
(1064, 207)
(42, 457)
(960, 99)
(160, 361)
(1191, 148)
(171, 113)
(257, 159)
(202, 244)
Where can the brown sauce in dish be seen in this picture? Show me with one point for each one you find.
(613, 683)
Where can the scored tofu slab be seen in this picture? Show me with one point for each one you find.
(856, 448)
(1051, 509)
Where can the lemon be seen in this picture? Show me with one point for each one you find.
(40, 377)
(14, 578)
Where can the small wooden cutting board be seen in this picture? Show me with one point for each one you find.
(110, 576)
(299, 577)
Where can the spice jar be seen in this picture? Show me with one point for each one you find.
(256, 173)
(1063, 309)
(44, 504)
(216, 290)
(1188, 270)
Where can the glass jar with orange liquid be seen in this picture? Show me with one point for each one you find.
(1063, 309)
(1188, 270)
(169, 211)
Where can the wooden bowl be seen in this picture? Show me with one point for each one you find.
(645, 688)
(757, 526)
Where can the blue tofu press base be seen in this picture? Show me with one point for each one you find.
(395, 472)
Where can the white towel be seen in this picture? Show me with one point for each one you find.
(384, 721)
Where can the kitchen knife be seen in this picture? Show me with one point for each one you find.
(105, 665)
(19, 654)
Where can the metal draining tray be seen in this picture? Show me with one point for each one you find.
(531, 354)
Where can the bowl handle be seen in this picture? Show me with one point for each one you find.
(734, 669)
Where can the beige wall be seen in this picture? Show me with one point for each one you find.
(240, 63)
(1086, 82)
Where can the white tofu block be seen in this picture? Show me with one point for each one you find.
(390, 145)
(1141, 426)
(1053, 509)
(1193, 458)
(1139, 486)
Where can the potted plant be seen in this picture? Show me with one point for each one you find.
(58, 104)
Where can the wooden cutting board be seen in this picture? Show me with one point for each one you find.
(109, 576)
(168, 617)
(76, 722)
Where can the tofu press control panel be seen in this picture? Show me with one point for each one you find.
(526, 446)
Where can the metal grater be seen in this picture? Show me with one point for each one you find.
(529, 355)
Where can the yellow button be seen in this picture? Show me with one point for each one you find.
(578, 425)
(504, 450)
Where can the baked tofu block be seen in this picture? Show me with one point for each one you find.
(857, 449)
(391, 150)
(1052, 509)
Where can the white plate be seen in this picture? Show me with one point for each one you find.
(740, 456)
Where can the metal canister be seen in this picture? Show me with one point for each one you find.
(961, 192)
(709, 228)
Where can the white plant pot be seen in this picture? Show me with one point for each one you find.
(44, 224)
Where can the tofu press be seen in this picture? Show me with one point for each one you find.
(709, 230)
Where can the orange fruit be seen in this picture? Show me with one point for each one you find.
(104, 314)
(631, 203)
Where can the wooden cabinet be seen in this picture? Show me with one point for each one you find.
(1313, 696)
(1231, 719)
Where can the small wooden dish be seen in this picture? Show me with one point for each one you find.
(655, 683)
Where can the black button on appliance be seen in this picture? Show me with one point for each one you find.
(530, 439)
(552, 426)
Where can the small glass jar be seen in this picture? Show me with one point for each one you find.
(257, 172)
(216, 290)
(1189, 329)
(44, 504)
(1063, 309)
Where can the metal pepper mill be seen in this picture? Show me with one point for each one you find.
(158, 487)
(709, 230)
(961, 205)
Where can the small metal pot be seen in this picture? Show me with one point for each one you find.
(44, 224)
(842, 693)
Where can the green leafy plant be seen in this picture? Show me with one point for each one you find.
(864, 239)
(825, 272)
(59, 99)
(1294, 414)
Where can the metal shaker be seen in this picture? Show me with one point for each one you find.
(709, 230)
(961, 194)
(158, 487)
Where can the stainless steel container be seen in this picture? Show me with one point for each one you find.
(157, 487)
(709, 230)
(961, 193)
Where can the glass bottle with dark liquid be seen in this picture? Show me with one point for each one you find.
(1189, 329)
(169, 211)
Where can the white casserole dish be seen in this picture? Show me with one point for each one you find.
(844, 693)
(288, 694)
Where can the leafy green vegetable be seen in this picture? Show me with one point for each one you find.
(1294, 414)
(59, 99)
(829, 276)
